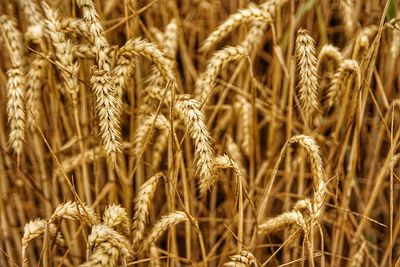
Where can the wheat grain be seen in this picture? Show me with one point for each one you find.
(142, 205)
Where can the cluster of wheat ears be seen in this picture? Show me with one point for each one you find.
(199, 133)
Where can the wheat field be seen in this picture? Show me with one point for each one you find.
(199, 133)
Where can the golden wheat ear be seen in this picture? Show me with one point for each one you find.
(307, 68)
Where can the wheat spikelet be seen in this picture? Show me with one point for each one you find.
(242, 16)
(34, 229)
(35, 30)
(72, 211)
(142, 205)
(244, 259)
(162, 226)
(116, 218)
(107, 108)
(188, 110)
(16, 108)
(34, 84)
(106, 245)
(340, 78)
(205, 82)
(158, 36)
(64, 55)
(145, 131)
(330, 53)
(308, 80)
(85, 51)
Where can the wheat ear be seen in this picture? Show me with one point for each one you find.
(35, 30)
(283, 221)
(145, 131)
(34, 85)
(244, 259)
(244, 108)
(331, 53)
(73, 211)
(108, 110)
(142, 206)
(64, 55)
(188, 110)
(308, 80)
(162, 226)
(207, 79)
(340, 78)
(348, 16)
(108, 104)
(242, 16)
(34, 229)
(150, 51)
(106, 245)
(16, 108)
(116, 218)
(16, 83)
